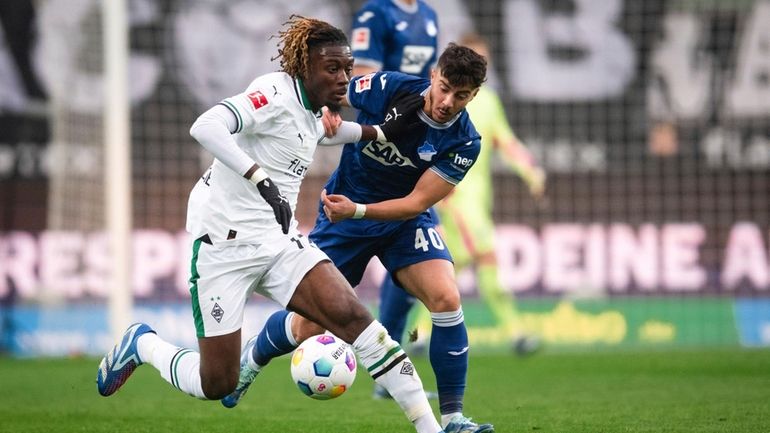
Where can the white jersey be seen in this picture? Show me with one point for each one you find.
(278, 129)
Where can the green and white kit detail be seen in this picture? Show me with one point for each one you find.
(238, 247)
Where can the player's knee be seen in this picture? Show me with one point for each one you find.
(302, 329)
(351, 320)
(443, 301)
(220, 385)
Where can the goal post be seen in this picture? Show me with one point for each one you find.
(117, 161)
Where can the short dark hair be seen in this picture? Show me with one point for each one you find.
(462, 66)
(301, 36)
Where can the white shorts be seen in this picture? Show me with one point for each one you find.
(224, 275)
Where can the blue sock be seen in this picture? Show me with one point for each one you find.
(274, 339)
(395, 304)
(449, 359)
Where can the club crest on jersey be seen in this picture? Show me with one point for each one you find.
(386, 154)
(426, 151)
(258, 99)
(430, 28)
(360, 39)
(217, 313)
(364, 83)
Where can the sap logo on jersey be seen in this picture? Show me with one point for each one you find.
(415, 58)
(386, 154)
(364, 83)
(462, 161)
(258, 99)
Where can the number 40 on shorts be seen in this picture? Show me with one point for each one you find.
(421, 241)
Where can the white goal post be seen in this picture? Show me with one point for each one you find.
(117, 173)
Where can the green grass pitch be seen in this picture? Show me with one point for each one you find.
(675, 391)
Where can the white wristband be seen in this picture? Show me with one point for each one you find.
(380, 135)
(258, 176)
(360, 211)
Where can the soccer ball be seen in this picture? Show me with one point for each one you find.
(323, 367)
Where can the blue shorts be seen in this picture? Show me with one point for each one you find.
(352, 243)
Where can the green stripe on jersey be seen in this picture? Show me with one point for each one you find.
(194, 276)
(303, 95)
(235, 111)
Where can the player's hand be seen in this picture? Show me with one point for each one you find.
(536, 182)
(331, 121)
(281, 208)
(401, 119)
(337, 207)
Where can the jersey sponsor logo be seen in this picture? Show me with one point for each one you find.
(401, 26)
(415, 57)
(426, 151)
(364, 83)
(462, 161)
(386, 154)
(258, 99)
(361, 37)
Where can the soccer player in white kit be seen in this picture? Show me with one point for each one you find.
(240, 215)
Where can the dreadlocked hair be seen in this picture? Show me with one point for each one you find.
(462, 66)
(300, 36)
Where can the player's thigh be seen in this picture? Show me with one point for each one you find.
(433, 282)
(350, 254)
(293, 256)
(325, 298)
(222, 278)
(421, 263)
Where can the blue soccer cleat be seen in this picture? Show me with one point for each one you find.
(245, 378)
(461, 424)
(116, 367)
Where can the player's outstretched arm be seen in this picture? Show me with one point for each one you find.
(401, 120)
(429, 189)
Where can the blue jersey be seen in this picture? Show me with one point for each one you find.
(390, 36)
(370, 171)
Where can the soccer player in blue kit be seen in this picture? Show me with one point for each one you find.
(376, 204)
(394, 35)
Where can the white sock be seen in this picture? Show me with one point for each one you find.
(389, 366)
(179, 367)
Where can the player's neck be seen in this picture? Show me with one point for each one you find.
(406, 5)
